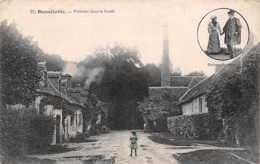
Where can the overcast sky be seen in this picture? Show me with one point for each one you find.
(138, 23)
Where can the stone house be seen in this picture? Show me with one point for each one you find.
(56, 98)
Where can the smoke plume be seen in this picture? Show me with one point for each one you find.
(94, 75)
(91, 75)
(74, 70)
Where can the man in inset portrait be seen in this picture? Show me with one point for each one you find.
(232, 31)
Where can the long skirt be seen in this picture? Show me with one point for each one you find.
(214, 44)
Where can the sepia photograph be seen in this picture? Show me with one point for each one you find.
(229, 24)
(129, 82)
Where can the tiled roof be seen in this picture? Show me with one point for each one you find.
(184, 81)
(199, 78)
(193, 83)
(197, 90)
(174, 92)
(52, 88)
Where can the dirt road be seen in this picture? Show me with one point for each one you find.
(115, 146)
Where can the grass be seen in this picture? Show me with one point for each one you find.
(248, 155)
(26, 160)
(82, 140)
(203, 156)
(207, 157)
(92, 159)
(54, 149)
(169, 139)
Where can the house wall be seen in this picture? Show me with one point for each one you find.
(67, 128)
(77, 126)
(70, 129)
(196, 106)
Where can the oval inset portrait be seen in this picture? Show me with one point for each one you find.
(223, 34)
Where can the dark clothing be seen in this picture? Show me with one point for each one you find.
(232, 25)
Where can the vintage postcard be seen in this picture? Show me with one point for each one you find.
(129, 82)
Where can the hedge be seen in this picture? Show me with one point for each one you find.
(199, 126)
(40, 132)
(22, 131)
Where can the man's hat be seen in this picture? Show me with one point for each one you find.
(231, 12)
(133, 131)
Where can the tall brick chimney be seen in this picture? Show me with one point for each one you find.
(165, 68)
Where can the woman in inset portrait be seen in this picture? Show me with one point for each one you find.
(213, 29)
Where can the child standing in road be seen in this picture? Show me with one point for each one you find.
(133, 143)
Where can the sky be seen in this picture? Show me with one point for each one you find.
(138, 24)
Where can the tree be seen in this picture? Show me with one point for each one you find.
(124, 83)
(196, 73)
(176, 72)
(154, 74)
(155, 113)
(18, 62)
(230, 98)
(53, 62)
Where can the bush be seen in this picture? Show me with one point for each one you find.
(23, 130)
(161, 125)
(14, 125)
(200, 126)
(40, 132)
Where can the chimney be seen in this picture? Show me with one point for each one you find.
(55, 76)
(68, 78)
(84, 93)
(165, 69)
(65, 86)
(43, 73)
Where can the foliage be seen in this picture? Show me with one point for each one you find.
(124, 83)
(198, 126)
(53, 62)
(154, 77)
(176, 71)
(155, 112)
(40, 132)
(231, 96)
(13, 132)
(18, 66)
(152, 110)
(22, 130)
(94, 108)
(59, 103)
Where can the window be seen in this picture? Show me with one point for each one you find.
(80, 119)
(200, 105)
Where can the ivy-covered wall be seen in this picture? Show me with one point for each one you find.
(199, 126)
